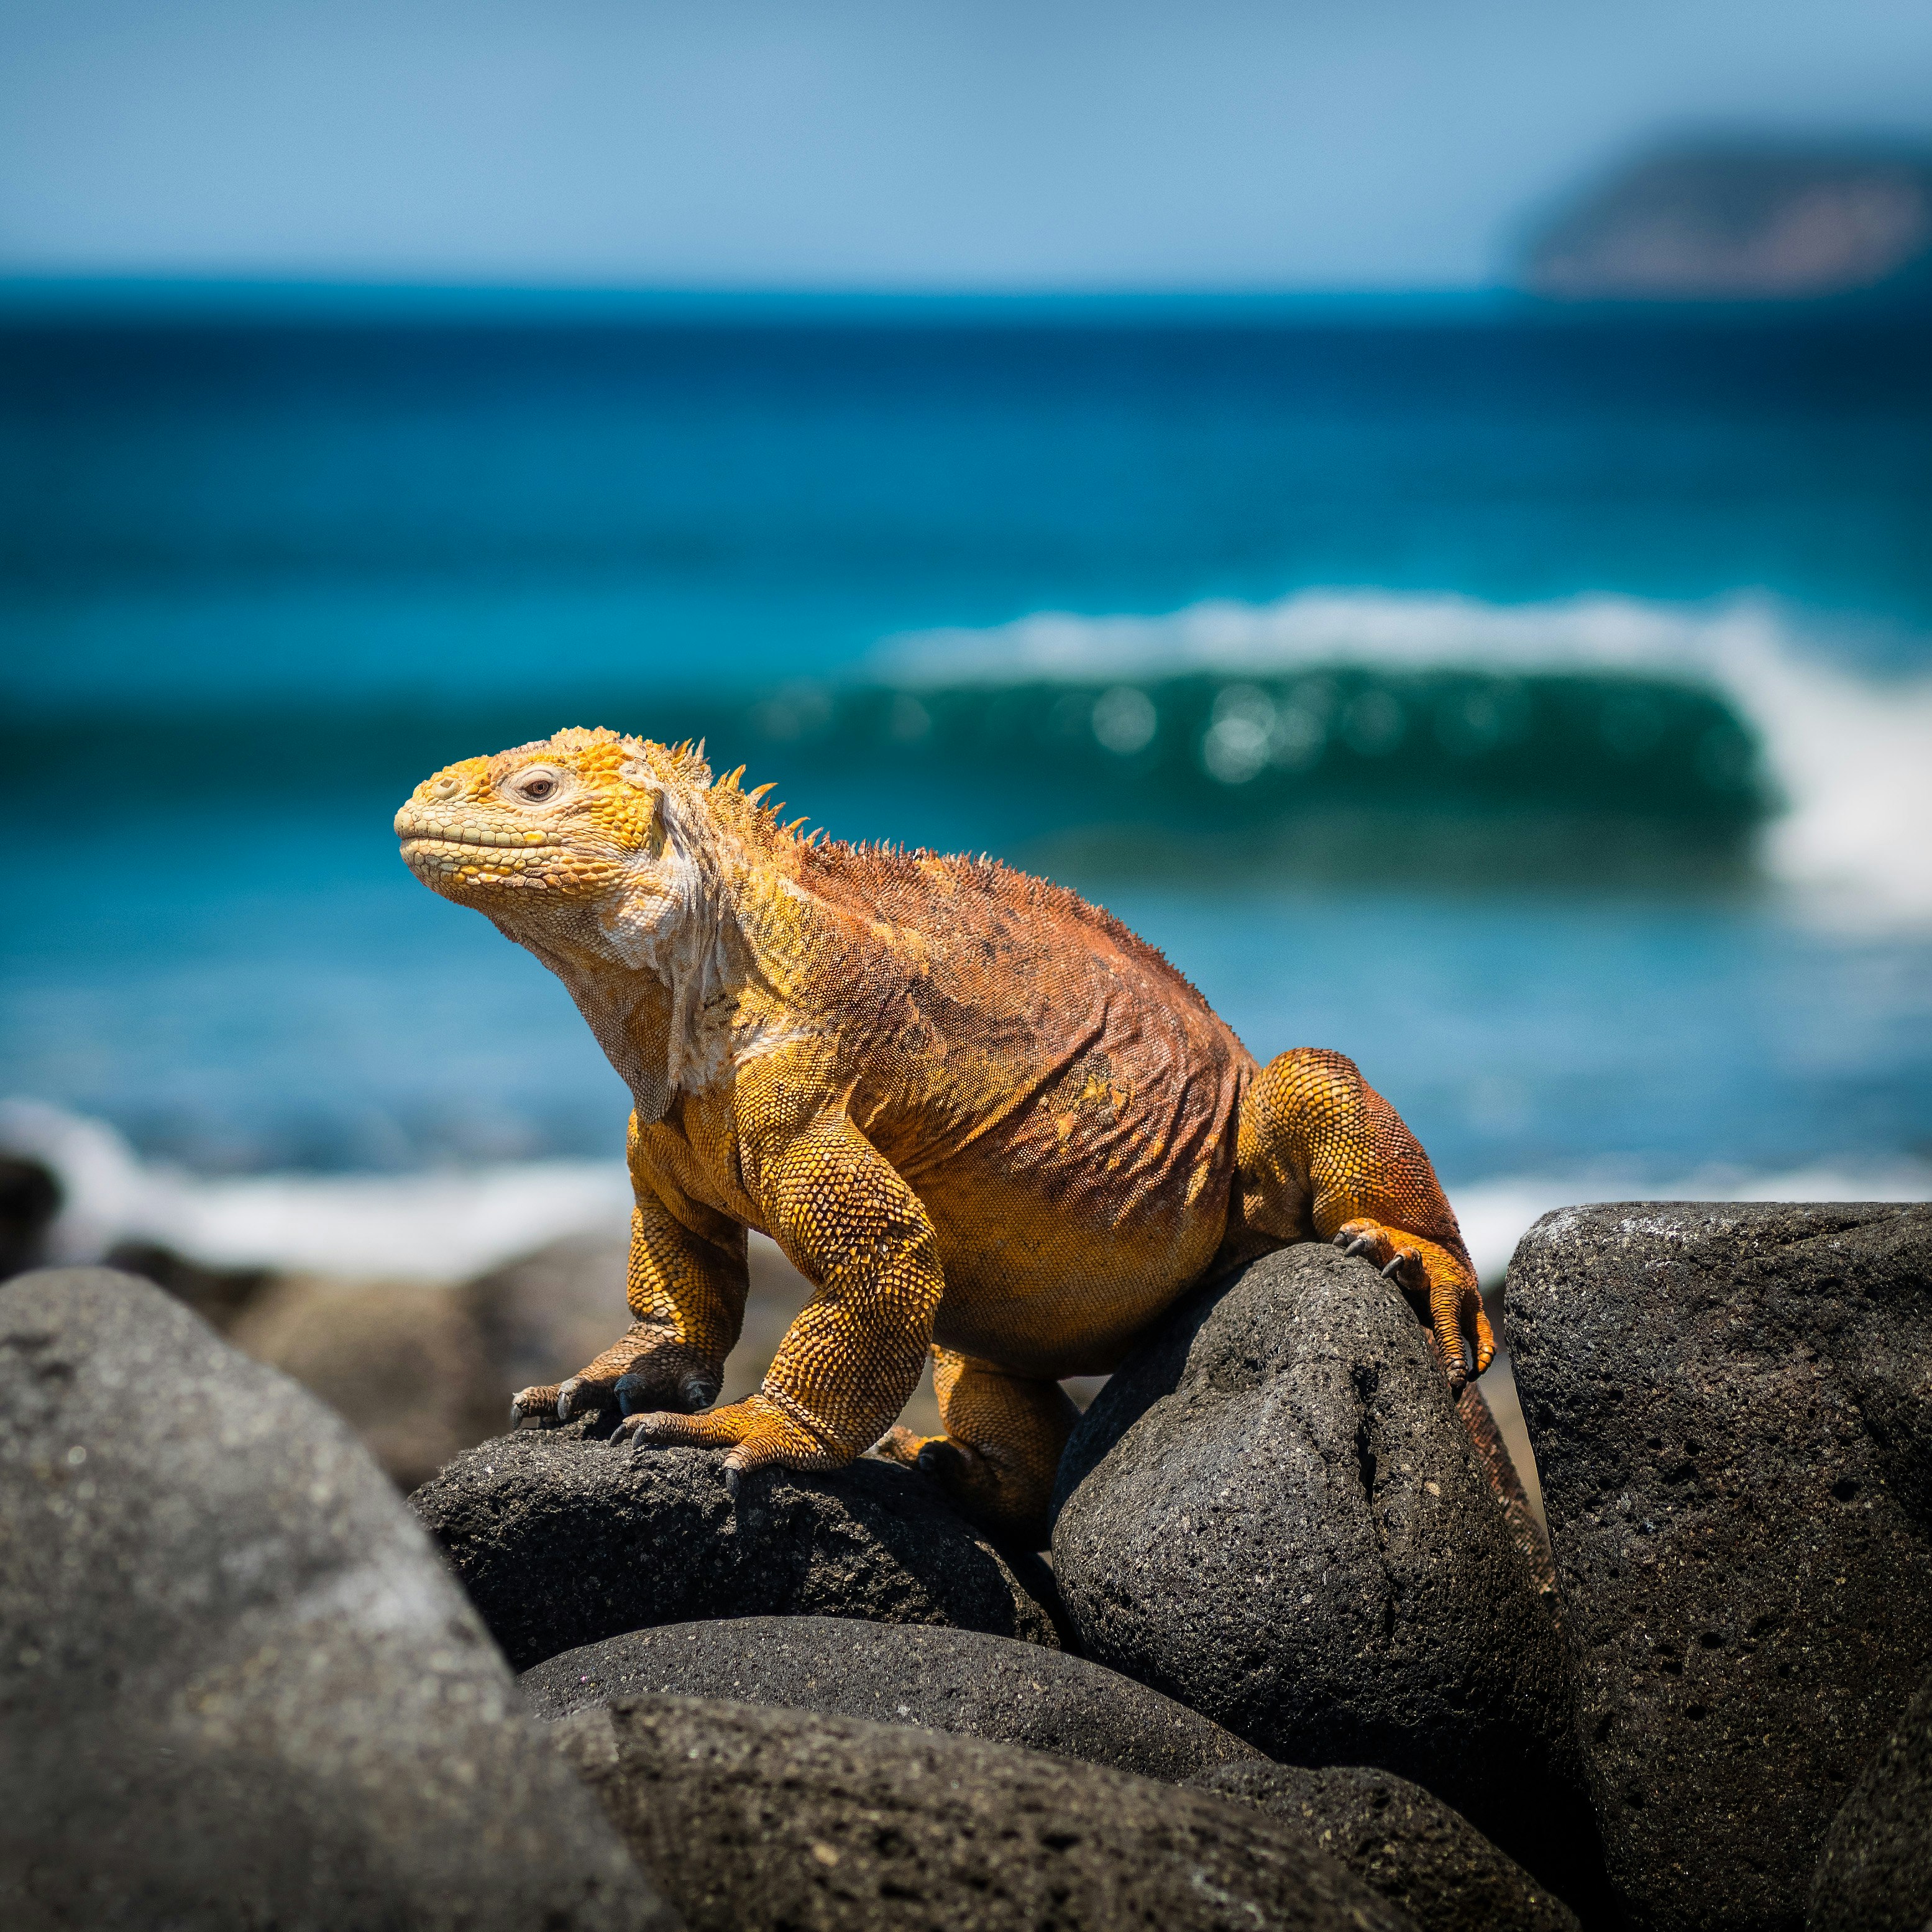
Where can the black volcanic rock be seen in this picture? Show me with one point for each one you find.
(1875, 1872)
(1728, 1404)
(237, 1687)
(1401, 1842)
(30, 1198)
(1274, 1513)
(964, 1681)
(762, 1820)
(563, 1538)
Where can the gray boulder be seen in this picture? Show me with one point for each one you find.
(1875, 1872)
(541, 1316)
(1419, 1854)
(236, 1686)
(399, 1361)
(964, 1681)
(1274, 1513)
(759, 1819)
(563, 1538)
(1728, 1405)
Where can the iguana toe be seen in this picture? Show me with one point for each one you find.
(534, 1407)
(1432, 1275)
(647, 1392)
(580, 1396)
(1477, 1319)
(754, 1432)
(1406, 1270)
(899, 1444)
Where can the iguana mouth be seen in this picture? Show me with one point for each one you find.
(428, 831)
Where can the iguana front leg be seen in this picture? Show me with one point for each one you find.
(686, 1291)
(1319, 1148)
(850, 1361)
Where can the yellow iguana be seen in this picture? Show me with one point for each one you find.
(980, 1114)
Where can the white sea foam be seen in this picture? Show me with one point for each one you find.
(1850, 753)
(448, 1225)
(437, 1226)
(1496, 1214)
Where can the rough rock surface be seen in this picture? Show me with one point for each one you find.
(757, 1819)
(1875, 1872)
(1402, 1843)
(236, 1686)
(945, 1680)
(1729, 1408)
(562, 1539)
(1274, 1513)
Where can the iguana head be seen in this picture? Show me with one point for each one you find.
(583, 839)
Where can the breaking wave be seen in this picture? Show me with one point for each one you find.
(1735, 709)
(443, 1225)
(448, 1226)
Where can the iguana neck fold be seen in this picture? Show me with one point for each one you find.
(666, 967)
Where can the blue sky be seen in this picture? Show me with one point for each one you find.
(882, 144)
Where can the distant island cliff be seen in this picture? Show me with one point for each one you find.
(1735, 222)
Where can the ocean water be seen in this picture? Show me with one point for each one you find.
(1538, 708)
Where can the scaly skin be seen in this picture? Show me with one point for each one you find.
(980, 1115)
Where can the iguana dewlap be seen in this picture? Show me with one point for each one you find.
(983, 1117)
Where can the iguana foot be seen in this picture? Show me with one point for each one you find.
(997, 1460)
(752, 1432)
(624, 1378)
(955, 1463)
(549, 1402)
(1431, 1275)
(1009, 1503)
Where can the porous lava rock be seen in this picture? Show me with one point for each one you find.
(1401, 1842)
(1728, 1404)
(1274, 1513)
(1875, 1872)
(756, 1819)
(964, 1681)
(237, 1687)
(562, 1538)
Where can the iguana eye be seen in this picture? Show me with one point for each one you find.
(534, 786)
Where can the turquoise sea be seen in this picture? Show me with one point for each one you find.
(1535, 705)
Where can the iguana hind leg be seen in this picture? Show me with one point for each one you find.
(1001, 1448)
(1320, 1152)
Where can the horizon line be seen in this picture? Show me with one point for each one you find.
(83, 299)
(25, 288)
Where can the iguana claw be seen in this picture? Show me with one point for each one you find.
(753, 1433)
(534, 1407)
(1464, 1340)
(578, 1396)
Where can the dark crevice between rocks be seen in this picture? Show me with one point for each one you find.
(1366, 1377)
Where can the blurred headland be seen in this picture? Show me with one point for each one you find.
(1740, 220)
